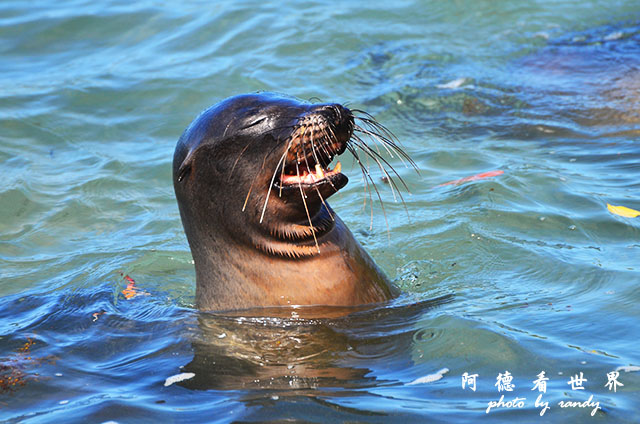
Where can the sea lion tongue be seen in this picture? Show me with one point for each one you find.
(308, 177)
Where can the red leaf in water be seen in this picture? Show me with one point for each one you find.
(474, 177)
(131, 290)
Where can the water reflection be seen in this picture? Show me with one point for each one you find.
(300, 348)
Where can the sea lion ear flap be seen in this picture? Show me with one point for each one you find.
(185, 166)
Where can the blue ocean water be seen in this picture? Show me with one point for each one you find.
(512, 274)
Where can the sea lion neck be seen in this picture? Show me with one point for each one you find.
(295, 239)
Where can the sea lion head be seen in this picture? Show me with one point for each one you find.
(256, 168)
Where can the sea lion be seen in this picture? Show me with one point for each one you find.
(251, 176)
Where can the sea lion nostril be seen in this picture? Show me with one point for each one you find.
(335, 112)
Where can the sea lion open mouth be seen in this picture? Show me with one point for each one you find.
(252, 175)
(303, 175)
(317, 138)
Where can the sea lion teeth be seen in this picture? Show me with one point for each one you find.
(319, 172)
(338, 167)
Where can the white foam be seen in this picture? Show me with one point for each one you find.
(178, 378)
(628, 368)
(456, 83)
(430, 378)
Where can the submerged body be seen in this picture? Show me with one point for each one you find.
(251, 176)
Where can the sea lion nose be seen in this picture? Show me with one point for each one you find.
(334, 113)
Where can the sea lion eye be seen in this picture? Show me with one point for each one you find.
(255, 122)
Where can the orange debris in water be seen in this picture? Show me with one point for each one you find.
(11, 371)
(95, 315)
(476, 177)
(131, 290)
